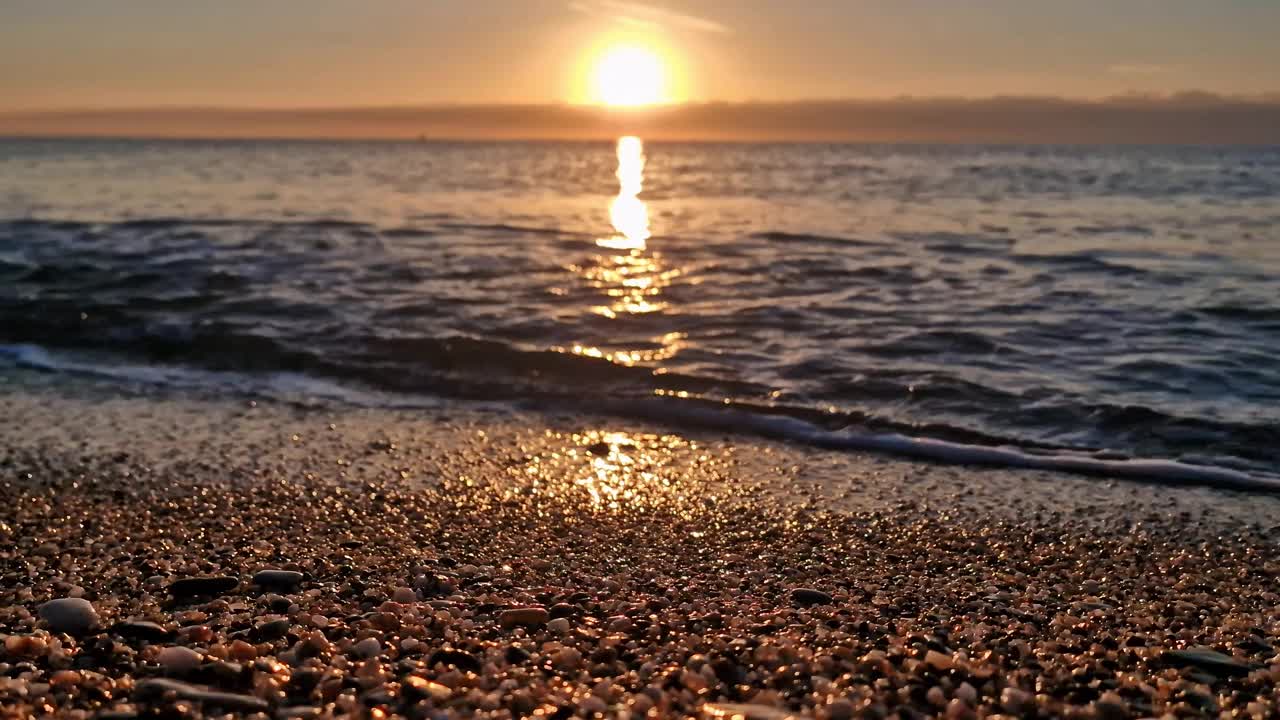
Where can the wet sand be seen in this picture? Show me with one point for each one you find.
(469, 561)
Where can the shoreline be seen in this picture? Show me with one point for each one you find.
(657, 572)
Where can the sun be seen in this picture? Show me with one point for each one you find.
(629, 76)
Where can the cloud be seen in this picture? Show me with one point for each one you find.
(1137, 69)
(635, 13)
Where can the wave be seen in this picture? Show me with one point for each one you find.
(790, 237)
(695, 413)
(861, 348)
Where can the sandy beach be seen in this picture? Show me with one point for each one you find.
(172, 555)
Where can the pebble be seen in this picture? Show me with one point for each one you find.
(271, 629)
(457, 658)
(179, 660)
(1206, 659)
(809, 596)
(141, 630)
(524, 616)
(151, 688)
(278, 580)
(65, 678)
(426, 688)
(367, 648)
(744, 711)
(74, 616)
(659, 606)
(567, 658)
(839, 710)
(24, 645)
(938, 661)
(564, 610)
(241, 651)
(936, 697)
(208, 586)
(1016, 701)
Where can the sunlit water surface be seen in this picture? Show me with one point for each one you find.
(1116, 302)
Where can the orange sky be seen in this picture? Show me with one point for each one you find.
(310, 53)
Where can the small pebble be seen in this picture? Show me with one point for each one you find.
(24, 645)
(809, 596)
(462, 660)
(179, 660)
(1207, 659)
(741, 711)
(141, 630)
(524, 616)
(1016, 701)
(278, 580)
(156, 687)
(208, 586)
(367, 648)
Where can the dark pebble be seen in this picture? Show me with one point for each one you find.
(516, 655)
(560, 610)
(456, 658)
(271, 630)
(1253, 643)
(809, 596)
(1206, 659)
(277, 579)
(203, 586)
(159, 687)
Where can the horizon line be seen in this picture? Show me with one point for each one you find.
(1188, 118)
(1178, 96)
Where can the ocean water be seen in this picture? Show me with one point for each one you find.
(1091, 308)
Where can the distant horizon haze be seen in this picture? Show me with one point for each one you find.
(1183, 118)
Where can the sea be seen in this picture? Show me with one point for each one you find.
(1107, 310)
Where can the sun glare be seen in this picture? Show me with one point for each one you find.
(629, 76)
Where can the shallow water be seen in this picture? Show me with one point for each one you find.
(1076, 303)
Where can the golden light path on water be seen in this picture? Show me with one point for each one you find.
(627, 212)
(618, 471)
(633, 277)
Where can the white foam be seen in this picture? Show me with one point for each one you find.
(292, 387)
(796, 430)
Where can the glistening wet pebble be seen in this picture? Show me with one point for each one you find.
(540, 574)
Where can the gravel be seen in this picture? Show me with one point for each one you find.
(486, 578)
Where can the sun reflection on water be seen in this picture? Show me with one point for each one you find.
(633, 277)
(628, 213)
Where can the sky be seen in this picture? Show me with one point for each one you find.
(328, 53)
